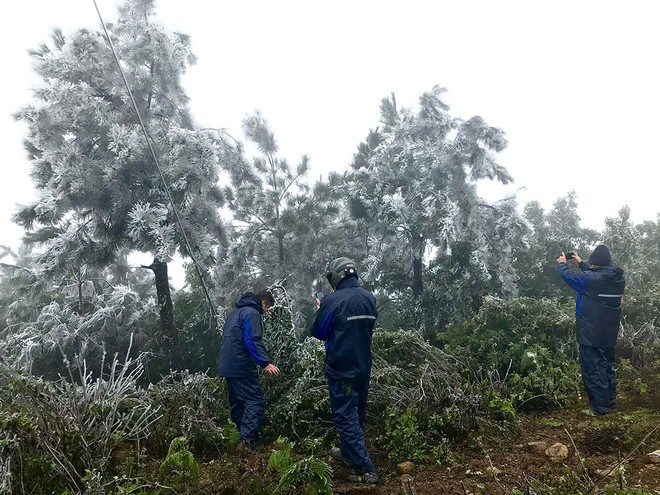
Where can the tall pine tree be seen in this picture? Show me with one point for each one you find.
(98, 186)
(414, 184)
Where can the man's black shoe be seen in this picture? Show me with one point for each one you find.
(336, 454)
(367, 478)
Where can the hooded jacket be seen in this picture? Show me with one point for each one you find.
(345, 321)
(598, 303)
(242, 349)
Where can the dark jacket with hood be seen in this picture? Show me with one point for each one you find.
(345, 321)
(598, 304)
(242, 349)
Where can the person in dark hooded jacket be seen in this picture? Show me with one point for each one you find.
(345, 321)
(242, 350)
(599, 286)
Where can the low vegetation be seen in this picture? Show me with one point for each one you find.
(435, 405)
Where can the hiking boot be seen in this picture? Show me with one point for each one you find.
(336, 454)
(367, 478)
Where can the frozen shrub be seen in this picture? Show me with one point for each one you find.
(57, 432)
(193, 405)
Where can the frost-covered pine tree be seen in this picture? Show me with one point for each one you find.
(635, 248)
(22, 291)
(267, 198)
(414, 183)
(99, 190)
(550, 233)
(286, 230)
(265, 205)
(43, 319)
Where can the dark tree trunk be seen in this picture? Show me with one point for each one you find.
(280, 250)
(418, 249)
(418, 286)
(171, 343)
(81, 308)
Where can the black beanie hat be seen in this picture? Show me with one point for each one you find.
(601, 256)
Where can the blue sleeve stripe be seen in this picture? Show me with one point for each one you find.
(578, 305)
(323, 331)
(249, 341)
(575, 280)
(577, 283)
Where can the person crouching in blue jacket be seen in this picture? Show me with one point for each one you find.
(599, 286)
(241, 351)
(345, 320)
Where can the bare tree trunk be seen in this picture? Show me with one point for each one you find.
(418, 286)
(81, 308)
(171, 343)
(418, 258)
(280, 252)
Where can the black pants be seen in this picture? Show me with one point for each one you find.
(246, 406)
(597, 364)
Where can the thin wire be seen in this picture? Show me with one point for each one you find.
(160, 172)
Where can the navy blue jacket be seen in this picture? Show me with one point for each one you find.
(598, 304)
(345, 321)
(242, 349)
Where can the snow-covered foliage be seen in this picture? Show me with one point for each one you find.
(105, 184)
(61, 335)
(98, 184)
(284, 229)
(414, 185)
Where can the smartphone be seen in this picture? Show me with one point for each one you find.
(569, 255)
(319, 295)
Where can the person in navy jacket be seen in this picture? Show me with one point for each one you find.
(599, 286)
(345, 321)
(242, 350)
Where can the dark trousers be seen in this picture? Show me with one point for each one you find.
(348, 400)
(597, 365)
(246, 407)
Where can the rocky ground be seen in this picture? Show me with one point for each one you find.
(569, 451)
(541, 452)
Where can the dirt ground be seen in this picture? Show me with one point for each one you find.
(599, 450)
(506, 461)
